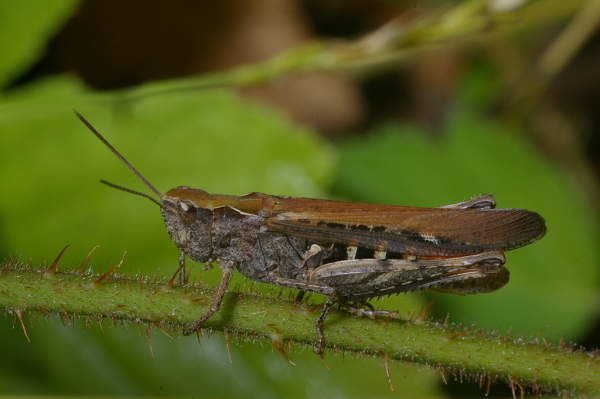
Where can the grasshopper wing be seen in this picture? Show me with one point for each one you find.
(409, 230)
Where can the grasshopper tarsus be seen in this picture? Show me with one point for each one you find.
(370, 312)
(182, 275)
(215, 302)
(319, 347)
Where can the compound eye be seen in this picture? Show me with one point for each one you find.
(186, 206)
(187, 211)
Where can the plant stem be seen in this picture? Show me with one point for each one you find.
(472, 353)
(384, 48)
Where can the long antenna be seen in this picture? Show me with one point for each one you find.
(130, 191)
(131, 168)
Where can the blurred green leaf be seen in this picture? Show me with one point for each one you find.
(553, 282)
(50, 165)
(25, 26)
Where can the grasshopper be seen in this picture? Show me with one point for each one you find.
(347, 252)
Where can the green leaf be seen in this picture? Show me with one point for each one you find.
(25, 26)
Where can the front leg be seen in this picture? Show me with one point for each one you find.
(182, 268)
(227, 269)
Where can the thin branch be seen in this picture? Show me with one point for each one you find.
(384, 48)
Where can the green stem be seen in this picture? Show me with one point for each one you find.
(384, 48)
(485, 356)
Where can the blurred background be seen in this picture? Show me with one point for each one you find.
(510, 110)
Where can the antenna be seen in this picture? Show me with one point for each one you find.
(128, 190)
(131, 168)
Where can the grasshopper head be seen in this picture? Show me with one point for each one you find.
(188, 216)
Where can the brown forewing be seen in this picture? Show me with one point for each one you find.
(410, 230)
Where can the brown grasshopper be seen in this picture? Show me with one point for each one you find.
(347, 252)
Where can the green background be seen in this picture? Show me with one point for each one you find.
(50, 166)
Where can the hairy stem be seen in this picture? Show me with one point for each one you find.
(485, 356)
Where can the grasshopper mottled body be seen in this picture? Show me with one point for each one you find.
(345, 251)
